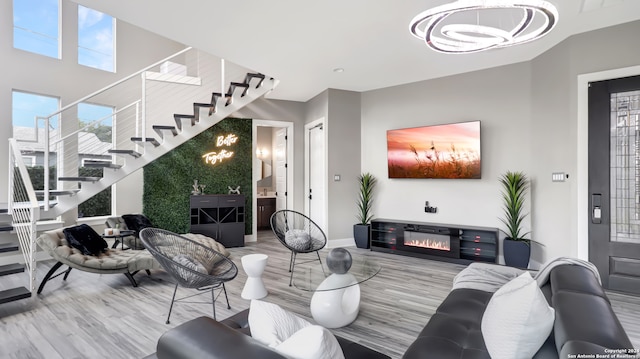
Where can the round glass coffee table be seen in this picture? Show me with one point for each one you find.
(336, 297)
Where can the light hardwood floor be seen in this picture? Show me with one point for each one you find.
(102, 316)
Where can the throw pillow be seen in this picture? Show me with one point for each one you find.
(517, 320)
(271, 325)
(190, 263)
(85, 239)
(298, 239)
(136, 222)
(312, 342)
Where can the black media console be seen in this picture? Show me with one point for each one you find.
(445, 242)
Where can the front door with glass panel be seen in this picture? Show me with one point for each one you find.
(614, 182)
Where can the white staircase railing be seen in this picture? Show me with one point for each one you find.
(24, 209)
(151, 96)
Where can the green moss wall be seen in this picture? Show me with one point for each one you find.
(168, 180)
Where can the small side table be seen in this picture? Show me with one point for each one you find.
(253, 265)
(119, 236)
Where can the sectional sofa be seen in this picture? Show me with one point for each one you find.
(584, 324)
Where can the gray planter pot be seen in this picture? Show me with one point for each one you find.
(361, 235)
(516, 253)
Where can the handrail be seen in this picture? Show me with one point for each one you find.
(136, 102)
(31, 193)
(118, 82)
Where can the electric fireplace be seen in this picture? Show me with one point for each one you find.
(431, 240)
(427, 240)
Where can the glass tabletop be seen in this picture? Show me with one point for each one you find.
(313, 277)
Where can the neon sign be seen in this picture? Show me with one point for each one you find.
(218, 156)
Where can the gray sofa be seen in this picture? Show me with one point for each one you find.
(585, 324)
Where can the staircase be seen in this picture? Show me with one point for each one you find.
(17, 293)
(147, 123)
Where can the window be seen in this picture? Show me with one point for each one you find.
(36, 26)
(94, 142)
(25, 107)
(98, 120)
(95, 39)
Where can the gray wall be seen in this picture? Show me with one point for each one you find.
(499, 98)
(64, 78)
(529, 123)
(343, 125)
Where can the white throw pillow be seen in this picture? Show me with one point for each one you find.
(272, 325)
(517, 320)
(312, 342)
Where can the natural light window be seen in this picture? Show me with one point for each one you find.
(36, 26)
(96, 119)
(26, 107)
(96, 40)
(94, 142)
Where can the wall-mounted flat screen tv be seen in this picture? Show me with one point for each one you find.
(439, 151)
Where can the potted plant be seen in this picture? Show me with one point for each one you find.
(365, 201)
(516, 248)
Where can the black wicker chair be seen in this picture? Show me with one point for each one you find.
(299, 234)
(190, 263)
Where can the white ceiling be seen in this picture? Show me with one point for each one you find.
(300, 42)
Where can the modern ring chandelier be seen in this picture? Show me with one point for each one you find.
(474, 37)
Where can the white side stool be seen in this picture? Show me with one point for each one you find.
(253, 265)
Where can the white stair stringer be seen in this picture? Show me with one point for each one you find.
(111, 176)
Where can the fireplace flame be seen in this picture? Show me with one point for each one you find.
(428, 243)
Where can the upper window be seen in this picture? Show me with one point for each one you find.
(36, 26)
(95, 39)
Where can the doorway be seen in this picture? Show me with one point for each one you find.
(272, 173)
(614, 181)
(316, 173)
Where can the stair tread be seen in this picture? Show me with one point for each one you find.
(202, 104)
(126, 152)
(11, 269)
(160, 128)
(80, 179)
(9, 247)
(251, 75)
(55, 192)
(102, 164)
(14, 294)
(6, 227)
(146, 140)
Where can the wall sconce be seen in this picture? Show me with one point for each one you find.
(262, 152)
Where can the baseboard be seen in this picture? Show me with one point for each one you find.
(344, 242)
(250, 238)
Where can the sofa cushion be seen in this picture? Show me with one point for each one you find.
(272, 325)
(454, 330)
(85, 239)
(311, 342)
(517, 320)
(136, 222)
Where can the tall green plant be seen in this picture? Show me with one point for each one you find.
(514, 190)
(365, 198)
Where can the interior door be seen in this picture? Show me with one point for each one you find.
(614, 182)
(281, 169)
(316, 195)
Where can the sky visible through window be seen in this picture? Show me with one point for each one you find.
(95, 39)
(35, 26)
(27, 106)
